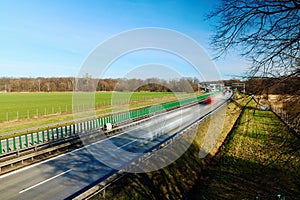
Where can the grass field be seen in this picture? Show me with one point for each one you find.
(26, 110)
(262, 158)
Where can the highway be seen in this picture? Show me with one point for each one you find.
(73, 172)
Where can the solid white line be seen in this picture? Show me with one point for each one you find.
(45, 181)
(30, 166)
(126, 144)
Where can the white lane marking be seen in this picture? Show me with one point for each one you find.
(30, 166)
(126, 144)
(45, 181)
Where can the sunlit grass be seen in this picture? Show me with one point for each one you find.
(26, 110)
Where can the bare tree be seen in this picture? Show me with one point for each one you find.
(265, 31)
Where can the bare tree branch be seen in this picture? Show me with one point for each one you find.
(265, 31)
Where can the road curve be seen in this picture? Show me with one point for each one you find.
(64, 175)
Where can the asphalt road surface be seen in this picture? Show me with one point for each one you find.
(67, 174)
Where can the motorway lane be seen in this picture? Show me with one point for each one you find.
(64, 175)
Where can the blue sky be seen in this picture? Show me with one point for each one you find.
(53, 38)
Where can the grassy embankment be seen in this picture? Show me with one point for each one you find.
(260, 157)
(176, 180)
(27, 110)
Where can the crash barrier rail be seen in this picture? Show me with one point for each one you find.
(48, 148)
(15, 144)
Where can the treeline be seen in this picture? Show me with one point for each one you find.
(85, 84)
(283, 85)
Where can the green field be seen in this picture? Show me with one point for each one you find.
(261, 158)
(28, 105)
(26, 110)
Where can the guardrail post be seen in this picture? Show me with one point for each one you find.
(43, 135)
(102, 121)
(66, 130)
(52, 132)
(14, 143)
(74, 129)
(20, 142)
(48, 135)
(83, 126)
(98, 122)
(26, 141)
(32, 139)
(61, 132)
(7, 145)
(37, 137)
(57, 133)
